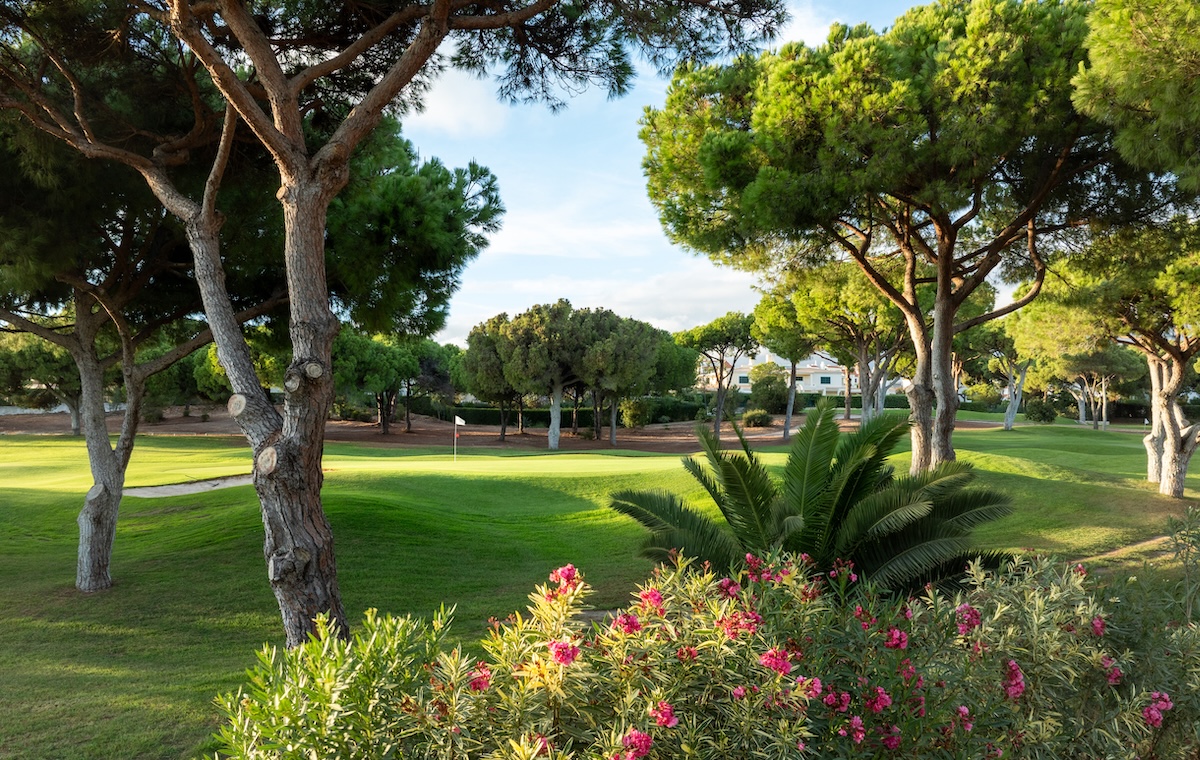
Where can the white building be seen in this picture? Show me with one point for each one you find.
(816, 374)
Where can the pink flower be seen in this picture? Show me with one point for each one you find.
(729, 587)
(800, 745)
(879, 701)
(567, 578)
(652, 600)
(808, 687)
(481, 677)
(896, 639)
(857, 732)
(839, 701)
(563, 652)
(627, 623)
(968, 618)
(892, 739)
(739, 692)
(1098, 625)
(739, 622)
(684, 654)
(664, 715)
(906, 670)
(637, 744)
(963, 716)
(1160, 702)
(543, 745)
(1014, 681)
(777, 660)
(1080, 570)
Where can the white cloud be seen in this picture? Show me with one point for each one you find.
(808, 25)
(459, 105)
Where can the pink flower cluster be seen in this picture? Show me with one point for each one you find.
(739, 622)
(962, 717)
(1160, 702)
(563, 652)
(808, 687)
(627, 623)
(891, 737)
(664, 715)
(838, 701)
(729, 587)
(864, 616)
(776, 659)
(896, 639)
(1112, 671)
(856, 730)
(1098, 626)
(843, 568)
(1014, 681)
(651, 601)
(879, 701)
(757, 570)
(567, 578)
(685, 654)
(968, 618)
(637, 745)
(481, 677)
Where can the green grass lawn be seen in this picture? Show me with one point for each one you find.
(131, 672)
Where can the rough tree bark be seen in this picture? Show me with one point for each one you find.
(1016, 388)
(791, 403)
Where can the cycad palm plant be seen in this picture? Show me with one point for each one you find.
(839, 498)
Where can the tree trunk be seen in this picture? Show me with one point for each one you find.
(791, 404)
(944, 379)
(384, 408)
(1080, 403)
(575, 411)
(503, 420)
(596, 408)
(719, 412)
(408, 406)
(521, 415)
(1016, 388)
(847, 394)
(98, 519)
(298, 545)
(920, 402)
(555, 430)
(73, 409)
(612, 421)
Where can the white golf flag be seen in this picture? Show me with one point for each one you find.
(459, 421)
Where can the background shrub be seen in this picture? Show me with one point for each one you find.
(756, 418)
(635, 412)
(1037, 410)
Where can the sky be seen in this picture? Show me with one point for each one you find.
(579, 224)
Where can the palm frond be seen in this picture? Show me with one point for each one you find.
(674, 525)
(972, 507)
(915, 559)
(878, 515)
(806, 474)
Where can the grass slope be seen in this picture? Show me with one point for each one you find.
(130, 673)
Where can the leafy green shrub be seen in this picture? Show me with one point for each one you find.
(772, 662)
(753, 418)
(635, 413)
(769, 393)
(984, 394)
(1037, 410)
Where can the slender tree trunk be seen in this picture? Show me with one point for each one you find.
(944, 379)
(1016, 387)
(503, 420)
(920, 401)
(555, 431)
(1153, 441)
(612, 421)
(98, 519)
(596, 408)
(408, 406)
(1080, 403)
(384, 407)
(791, 403)
(575, 411)
(848, 396)
(521, 415)
(719, 410)
(72, 405)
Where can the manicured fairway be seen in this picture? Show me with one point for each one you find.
(131, 672)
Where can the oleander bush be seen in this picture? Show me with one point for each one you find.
(774, 661)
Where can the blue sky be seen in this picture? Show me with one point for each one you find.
(579, 225)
